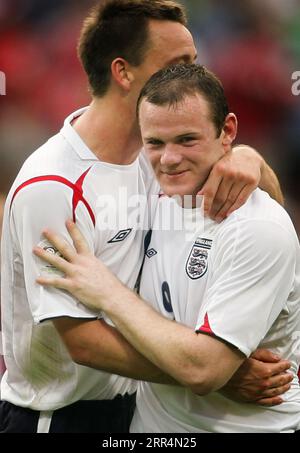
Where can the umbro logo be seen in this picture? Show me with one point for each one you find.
(121, 236)
(151, 253)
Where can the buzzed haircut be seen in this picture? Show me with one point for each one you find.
(171, 85)
(120, 28)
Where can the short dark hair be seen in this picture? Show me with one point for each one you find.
(171, 85)
(119, 28)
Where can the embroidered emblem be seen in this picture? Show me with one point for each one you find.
(197, 263)
(121, 236)
(151, 253)
(47, 269)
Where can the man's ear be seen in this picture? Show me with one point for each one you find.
(229, 131)
(121, 73)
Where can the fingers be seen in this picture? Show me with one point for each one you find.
(231, 198)
(222, 201)
(264, 355)
(56, 282)
(232, 180)
(278, 368)
(209, 191)
(276, 391)
(65, 249)
(55, 260)
(78, 239)
(269, 402)
(273, 385)
(267, 370)
(221, 198)
(242, 198)
(273, 396)
(268, 364)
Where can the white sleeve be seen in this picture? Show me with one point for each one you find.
(252, 275)
(36, 207)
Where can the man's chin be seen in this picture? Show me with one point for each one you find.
(172, 190)
(186, 196)
(169, 192)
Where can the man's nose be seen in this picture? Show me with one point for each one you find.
(170, 156)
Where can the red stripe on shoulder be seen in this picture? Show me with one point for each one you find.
(78, 196)
(76, 188)
(40, 179)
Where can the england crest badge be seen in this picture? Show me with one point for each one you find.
(197, 263)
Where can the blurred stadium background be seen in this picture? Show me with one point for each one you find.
(253, 45)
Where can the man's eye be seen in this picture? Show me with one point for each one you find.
(154, 143)
(186, 140)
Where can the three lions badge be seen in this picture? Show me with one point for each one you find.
(197, 262)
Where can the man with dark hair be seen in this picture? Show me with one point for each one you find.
(230, 287)
(51, 342)
(127, 22)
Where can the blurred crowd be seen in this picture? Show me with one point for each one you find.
(253, 45)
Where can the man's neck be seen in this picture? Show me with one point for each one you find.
(110, 131)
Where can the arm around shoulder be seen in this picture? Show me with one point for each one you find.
(268, 179)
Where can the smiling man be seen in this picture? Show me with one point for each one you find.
(183, 140)
(231, 287)
(66, 369)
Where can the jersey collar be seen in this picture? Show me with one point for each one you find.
(74, 139)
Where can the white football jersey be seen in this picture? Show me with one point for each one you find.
(64, 179)
(239, 281)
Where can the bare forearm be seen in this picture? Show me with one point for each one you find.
(268, 179)
(102, 347)
(119, 357)
(171, 346)
(270, 183)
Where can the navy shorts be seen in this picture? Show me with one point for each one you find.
(104, 416)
